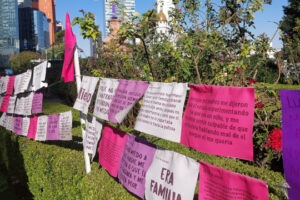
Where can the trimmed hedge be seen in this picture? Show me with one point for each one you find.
(56, 170)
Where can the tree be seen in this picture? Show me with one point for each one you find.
(291, 19)
(22, 61)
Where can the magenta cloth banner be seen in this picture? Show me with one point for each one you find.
(37, 103)
(219, 120)
(135, 161)
(10, 85)
(5, 103)
(32, 127)
(70, 42)
(53, 127)
(127, 94)
(18, 125)
(217, 183)
(290, 101)
(110, 149)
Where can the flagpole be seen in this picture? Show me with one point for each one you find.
(82, 121)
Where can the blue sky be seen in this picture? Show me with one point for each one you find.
(264, 22)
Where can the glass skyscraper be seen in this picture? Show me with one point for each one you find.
(41, 31)
(129, 10)
(9, 30)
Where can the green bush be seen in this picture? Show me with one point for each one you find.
(56, 170)
(22, 61)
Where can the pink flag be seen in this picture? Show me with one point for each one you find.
(32, 127)
(219, 120)
(10, 85)
(218, 183)
(70, 42)
(5, 103)
(110, 149)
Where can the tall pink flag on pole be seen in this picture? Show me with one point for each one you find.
(70, 42)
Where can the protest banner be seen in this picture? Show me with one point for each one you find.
(290, 101)
(85, 94)
(39, 76)
(37, 103)
(106, 92)
(218, 184)
(171, 176)
(65, 126)
(41, 130)
(110, 149)
(219, 120)
(136, 159)
(161, 111)
(127, 94)
(53, 127)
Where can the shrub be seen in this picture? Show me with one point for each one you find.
(22, 61)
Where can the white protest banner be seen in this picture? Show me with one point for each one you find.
(85, 94)
(39, 76)
(92, 135)
(4, 83)
(10, 123)
(171, 176)
(11, 105)
(26, 122)
(1, 83)
(24, 104)
(1, 99)
(3, 120)
(41, 131)
(161, 111)
(22, 82)
(65, 126)
(106, 92)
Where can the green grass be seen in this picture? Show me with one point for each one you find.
(56, 169)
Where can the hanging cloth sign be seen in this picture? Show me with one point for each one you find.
(136, 159)
(24, 104)
(290, 101)
(106, 92)
(37, 103)
(39, 76)
(171, 176)
(86, 92)
(18, 121)
(65, 126)
(53, 127)
(92, 135)
(32, 127)
(161, 111)
(11, 106)
(219, 120)
(10, 85)
(110, 149)
(25, 126)
(4, 82)
(22, 82)
(41, 130)
(127, 94)
(218, 183)
(5, 103)
(10, 123)
(3, 120)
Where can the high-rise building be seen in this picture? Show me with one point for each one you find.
(9, 30)
(41, 31)
(59, 26)
(129, 9)
(48, 8)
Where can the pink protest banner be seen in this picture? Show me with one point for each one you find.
(5, 103)
(37, 103)
(18, 121)
(32, 127)
(290, 101)
(135, 162)
(70, 42)
(10, 85)
(219, 120)
(53, 127)
(217, 184)
(127, 94)
(110, 149)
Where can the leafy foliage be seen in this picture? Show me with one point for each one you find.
(22, 61)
